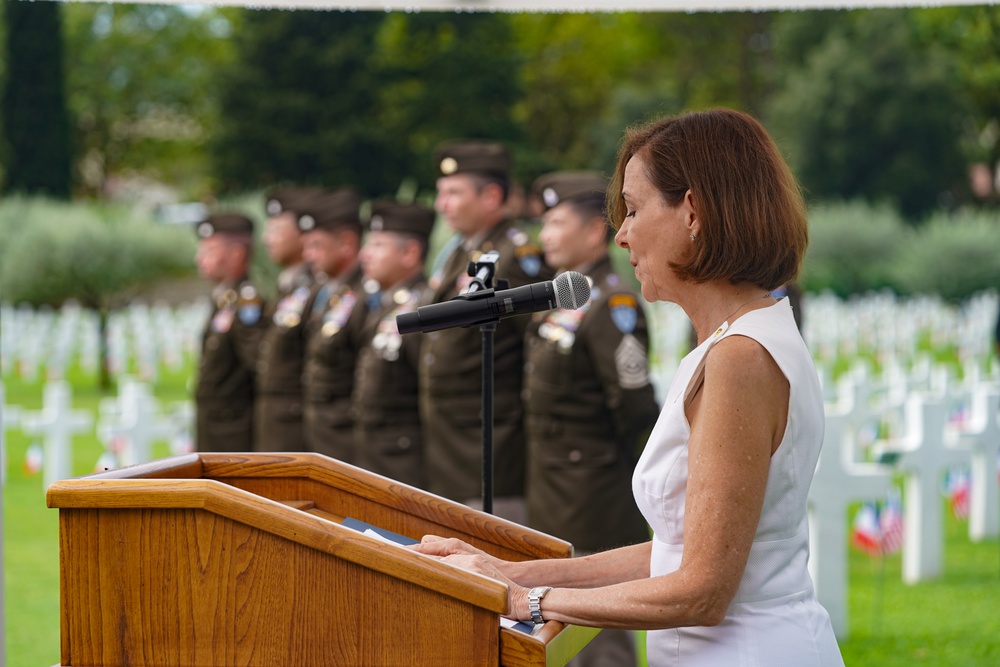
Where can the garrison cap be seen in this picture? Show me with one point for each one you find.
(472, 156)
(560, 186)
(224, 223)
(288, 198)
(330, 210)
(391, 216)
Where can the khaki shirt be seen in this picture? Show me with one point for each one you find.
(224, 394)
(451, 376)
(589, 406)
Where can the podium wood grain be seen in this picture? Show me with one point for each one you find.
(221, 559)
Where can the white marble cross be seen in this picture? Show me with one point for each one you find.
(926, 451)
(182, 421)
(10, 418)
(117, 360)
(136, 418)
(57, 422)
(981, 435)
(839, 481)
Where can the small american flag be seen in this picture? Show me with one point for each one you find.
(865, 533)
(957, 486)
(890, 521)
(33, 459)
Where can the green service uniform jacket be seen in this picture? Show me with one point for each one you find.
(279, 408)
(334, 337)
(224, 395)
(589, 406)
(386, 391)
(451, 377)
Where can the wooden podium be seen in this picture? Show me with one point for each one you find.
(205, 560)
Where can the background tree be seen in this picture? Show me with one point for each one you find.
(972, 34)
(35, 123)
(868, 114)
(448, 76)
(142, 92)
(99, 255)
(299, 101)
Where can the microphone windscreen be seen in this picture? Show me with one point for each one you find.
(572, 290)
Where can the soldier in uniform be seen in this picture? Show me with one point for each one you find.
(386, 403)
(331, 225)
(278, 411)
(472, 184)
(587, 397)
(224, 394)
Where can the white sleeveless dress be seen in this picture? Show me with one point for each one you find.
(775, 619)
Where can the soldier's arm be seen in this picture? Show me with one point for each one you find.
(619, 352)
(248, 330)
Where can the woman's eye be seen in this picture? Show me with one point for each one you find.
(630, 214)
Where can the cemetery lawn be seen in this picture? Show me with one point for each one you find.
(954, 620)
(31, 530)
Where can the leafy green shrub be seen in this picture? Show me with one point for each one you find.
(852, 248)
(953, 255)
(95, 253)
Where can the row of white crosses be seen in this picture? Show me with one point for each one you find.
(138, 336)
(908, 406)
(921, 447)
(128, 426)
(132, 422)
(839, 481)
(887, 327)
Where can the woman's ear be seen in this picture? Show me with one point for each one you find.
(691, 215)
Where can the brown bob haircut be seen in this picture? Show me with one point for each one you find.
(753, 219)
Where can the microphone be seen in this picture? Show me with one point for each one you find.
(569, 290)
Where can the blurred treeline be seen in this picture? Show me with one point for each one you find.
(893, 106)
(885, 116)
(101, 253)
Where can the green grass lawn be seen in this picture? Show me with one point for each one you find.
(31, 531)
(953, 621)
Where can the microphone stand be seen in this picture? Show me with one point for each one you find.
(482, 271)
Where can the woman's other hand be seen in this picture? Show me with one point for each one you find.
(460, 554)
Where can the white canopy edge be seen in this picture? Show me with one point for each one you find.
(577, 6)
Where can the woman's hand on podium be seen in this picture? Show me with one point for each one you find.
(456, 552)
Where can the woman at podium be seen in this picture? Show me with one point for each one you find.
(713, 221)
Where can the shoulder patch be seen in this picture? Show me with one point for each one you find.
(249, 312)
(529, 256)
(249, 305)
(624, 312)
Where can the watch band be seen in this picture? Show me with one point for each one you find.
(535, 596)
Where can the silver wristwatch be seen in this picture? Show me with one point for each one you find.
(535, 596)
